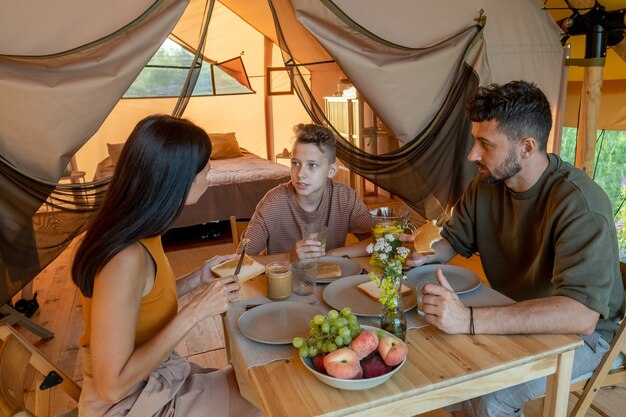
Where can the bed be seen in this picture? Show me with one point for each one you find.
(236, 185)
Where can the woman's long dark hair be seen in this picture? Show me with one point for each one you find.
(157, 166)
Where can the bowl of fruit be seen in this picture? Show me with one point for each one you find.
(362, 359)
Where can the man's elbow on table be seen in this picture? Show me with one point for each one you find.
(584, 318)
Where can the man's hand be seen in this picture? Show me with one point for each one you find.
(443, 308)
(414, 259)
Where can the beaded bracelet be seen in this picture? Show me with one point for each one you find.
(471, 326)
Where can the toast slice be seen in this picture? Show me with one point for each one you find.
(328, 270)
(425, 236)
(249, 269)
(370, 289)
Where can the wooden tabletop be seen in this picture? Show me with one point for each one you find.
(441, 369)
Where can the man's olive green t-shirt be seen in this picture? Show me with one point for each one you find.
(555, 239)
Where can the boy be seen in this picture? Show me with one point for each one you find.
(311, 197)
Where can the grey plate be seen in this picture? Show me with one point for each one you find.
(348, 267)
(279, 322)
(462, 280)
(344, 293)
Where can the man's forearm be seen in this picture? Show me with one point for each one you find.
(544, 315)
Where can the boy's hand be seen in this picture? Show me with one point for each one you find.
(308, 250)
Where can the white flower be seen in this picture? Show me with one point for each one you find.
(370, 248)
(403, 251)
(382, 256)
(389, 237)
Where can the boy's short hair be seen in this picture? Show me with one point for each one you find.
(318, 135)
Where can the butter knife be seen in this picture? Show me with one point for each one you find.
(243, 255)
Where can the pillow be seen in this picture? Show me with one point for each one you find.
(224, 145)
(115, 149)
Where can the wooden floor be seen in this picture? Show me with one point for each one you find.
(60, 312)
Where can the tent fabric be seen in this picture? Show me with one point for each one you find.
(417, 171)
(47, 112)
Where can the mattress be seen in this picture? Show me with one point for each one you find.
(236, 185)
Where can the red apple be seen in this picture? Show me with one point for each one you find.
(365, 343)
(318, 362)
(342, 363)
(392, 350)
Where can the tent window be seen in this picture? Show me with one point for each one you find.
(609, 173)
(165, 74)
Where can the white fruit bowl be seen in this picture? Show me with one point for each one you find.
(352, 384)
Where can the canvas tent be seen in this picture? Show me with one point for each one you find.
(61, 88)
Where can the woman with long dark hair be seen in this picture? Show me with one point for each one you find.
(129, 292)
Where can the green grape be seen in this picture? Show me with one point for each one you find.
(325, 328)
(341, 322)
(328, 333)
(319, 319)
(304, 351)
(344, 332)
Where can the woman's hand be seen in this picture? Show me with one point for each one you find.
(214, 298)
(206, 276)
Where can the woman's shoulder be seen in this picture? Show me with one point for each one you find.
(132, 261)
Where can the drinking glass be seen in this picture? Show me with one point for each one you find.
(313, 231)
(304, 277)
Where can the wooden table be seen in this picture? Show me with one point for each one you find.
(441, 370)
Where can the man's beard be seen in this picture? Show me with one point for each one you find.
(508, 169)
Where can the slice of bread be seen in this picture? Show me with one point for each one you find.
(425, 236)
(249, 269)
(328, 270)
(370, 289)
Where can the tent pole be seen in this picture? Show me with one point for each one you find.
(269, 118)
(595, 55)
(559, 115)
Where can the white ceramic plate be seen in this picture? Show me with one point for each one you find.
(348, 267)
(279, 322)
(352, 384)
(462, 280)
(344, 293)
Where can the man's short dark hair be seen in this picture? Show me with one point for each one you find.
(521, 109)
(318, 135)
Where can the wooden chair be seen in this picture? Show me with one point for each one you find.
(237, 227)
(604, 375)
(19, 361)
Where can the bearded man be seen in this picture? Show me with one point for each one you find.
(546, 238)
